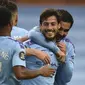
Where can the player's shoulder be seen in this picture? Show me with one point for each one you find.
(36, 28)
(19, 28)
(67, 40)
(29, 42)
(15, 42)
(12, 40)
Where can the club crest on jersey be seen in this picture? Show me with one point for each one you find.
(22, 55)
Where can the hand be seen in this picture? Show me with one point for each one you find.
(62, 53)
(43, 56)
(47, 71)
(61, 56)
(62, 46)
(39, 54)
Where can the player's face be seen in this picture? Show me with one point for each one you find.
(63, 30)
(49, 27)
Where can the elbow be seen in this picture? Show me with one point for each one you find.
(20, 76)
(19, 72)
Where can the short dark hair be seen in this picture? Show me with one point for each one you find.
(12, 6)
(65, 16)
(13, 0)
(5, 16)
(47, 13)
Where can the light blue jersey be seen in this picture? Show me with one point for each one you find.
(37, 37)
(10, 55)
(18, 32)
(34, 63)
(70, 49)
(65, 70)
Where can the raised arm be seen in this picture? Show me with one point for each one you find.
(37, 37)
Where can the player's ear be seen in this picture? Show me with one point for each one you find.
(11, 24)
(16, 20)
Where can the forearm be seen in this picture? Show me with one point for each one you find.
(32, 52)
(39, 54)
(29, 74)
(50, 45)
(41, 41)
(24, 73)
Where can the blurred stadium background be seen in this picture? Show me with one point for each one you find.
(29, 11)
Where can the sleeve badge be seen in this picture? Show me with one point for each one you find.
(22, 55)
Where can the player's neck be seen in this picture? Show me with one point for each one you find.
(4, 33)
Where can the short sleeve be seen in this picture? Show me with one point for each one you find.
(19, 55)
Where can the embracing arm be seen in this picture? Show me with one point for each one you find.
(37, 37)
(39, 54)
(22, 72)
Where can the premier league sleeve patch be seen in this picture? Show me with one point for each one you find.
(22, 55)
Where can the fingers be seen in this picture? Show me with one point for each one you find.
(47, 71)
(61, 56)
(46, 60)
(62, 59)
(60, 44)
(52, 71)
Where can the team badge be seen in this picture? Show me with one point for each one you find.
(22, 55)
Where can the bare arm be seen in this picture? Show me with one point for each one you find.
(41, 41)
(39, 54)
(37, 37)
(24, 73)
